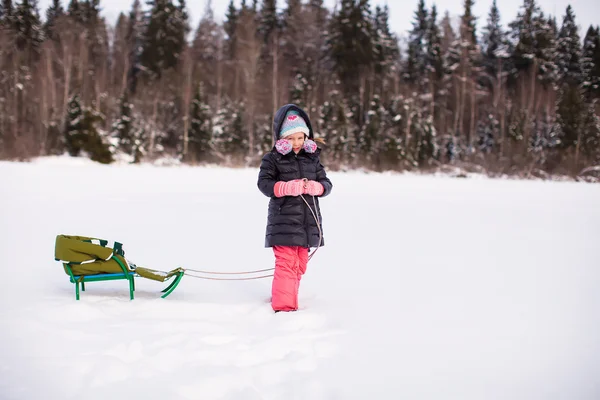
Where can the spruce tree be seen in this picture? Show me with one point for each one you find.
(368, 138)
(590, 137)
(545, 39)
(122, 128)
(230, 27)
(164, 37)
(386, 51)
(229, 132)
(74, 140)
(591, 62)
(135, 40)
(427, 147)
(205, 50)
(75, 10)
(94, 144)
(523, 33)
(6, 12)
(494, 46)
(27, 26)
(299, 91)
(434, 62)
(200, 135)
(54, 12)
(350, 45)
(81, 132)
(568, 52)
(268, 20)
(416, 58)
(293, 38)
(570, 115)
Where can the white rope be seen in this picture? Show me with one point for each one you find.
(317, 222)
(227, 279)
(229, 273)
(258, 270)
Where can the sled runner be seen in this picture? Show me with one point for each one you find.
(87, 259)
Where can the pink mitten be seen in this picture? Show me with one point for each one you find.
(291, 188)
(314, 188)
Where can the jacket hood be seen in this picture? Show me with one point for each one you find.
(280, 115)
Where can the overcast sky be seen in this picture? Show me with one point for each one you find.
(401, 11)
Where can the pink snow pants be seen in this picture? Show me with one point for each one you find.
(290, 265)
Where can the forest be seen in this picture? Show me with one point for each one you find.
(516, 97)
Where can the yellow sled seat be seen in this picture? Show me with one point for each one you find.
(87, 259)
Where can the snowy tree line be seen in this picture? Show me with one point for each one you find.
(513, 98)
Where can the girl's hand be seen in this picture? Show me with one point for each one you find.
(291, 188)
(313, 188)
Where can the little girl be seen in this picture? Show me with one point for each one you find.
(289, 172)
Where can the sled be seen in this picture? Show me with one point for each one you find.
(87, 259)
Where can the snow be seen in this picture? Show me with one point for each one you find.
(429, 287)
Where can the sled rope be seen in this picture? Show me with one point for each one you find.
(228, 279)
(258, 270)
(316, 220)
(229, 273)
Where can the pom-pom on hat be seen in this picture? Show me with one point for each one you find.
(293, 123)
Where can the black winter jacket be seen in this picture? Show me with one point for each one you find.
(290, 221)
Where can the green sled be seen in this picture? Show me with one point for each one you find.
(88, 259)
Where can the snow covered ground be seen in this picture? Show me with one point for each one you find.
(428, 288)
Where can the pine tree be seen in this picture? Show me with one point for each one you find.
(416, 59)
(122, 128)
(54, 12)
(451, 62)
(94, 143)
(545, 39)
(427, 147)
(6, 12)
(73, 131)
(299, 91)
(523, 33)
(468, 21)
(268, 20)
(368, 138)
(568, 52)
(487, 132)
(590, 135)
(292, 38)
(469, 73)
(230, 27)
(75, 10)
(386, 51)
(350, 45)
(570, 115)
(336, 126)
(494, 46)
(81, 132)
(164, 38)
(135, 40)
(28, 27)
(205, 50)
(200, 135)
(434, 64)
(591, 62)
(228, 132)
(391, 150)
(543, 138)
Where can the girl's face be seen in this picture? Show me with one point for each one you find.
(296, 140)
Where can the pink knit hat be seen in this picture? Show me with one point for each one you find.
(293, 123)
